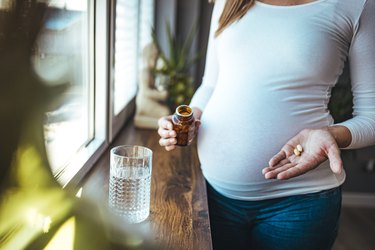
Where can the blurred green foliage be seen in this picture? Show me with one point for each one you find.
(172, 70)
(33, 207)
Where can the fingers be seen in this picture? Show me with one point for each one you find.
(274, 173)
(292, 172)
(335, 161)
(165, 142)
(289, 167)
(165, 123)
(164, 133)
(279, 164)
(167, 134)
(169, 148)
(277, 158)
(166, 128)
(287, 171)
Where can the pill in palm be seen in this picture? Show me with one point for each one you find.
(296, 152)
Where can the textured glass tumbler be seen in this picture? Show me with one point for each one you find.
(130, 182)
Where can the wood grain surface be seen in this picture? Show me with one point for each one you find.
(179, 214)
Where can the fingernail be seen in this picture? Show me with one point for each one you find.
(172, 140)
(171, 133)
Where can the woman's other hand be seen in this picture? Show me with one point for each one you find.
(318, 145)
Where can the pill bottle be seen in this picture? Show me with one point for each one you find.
(184, 125)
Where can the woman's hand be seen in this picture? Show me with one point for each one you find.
(168, 135)
(318, 145)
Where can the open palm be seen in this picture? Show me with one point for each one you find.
(318, 146)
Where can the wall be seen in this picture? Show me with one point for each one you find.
(182, 15)
(359, 166)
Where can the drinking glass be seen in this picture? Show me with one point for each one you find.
(130, 182)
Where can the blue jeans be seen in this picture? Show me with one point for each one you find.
(302, 222)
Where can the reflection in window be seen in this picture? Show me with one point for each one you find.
(62, 56)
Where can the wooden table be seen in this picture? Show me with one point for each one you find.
(179, 213)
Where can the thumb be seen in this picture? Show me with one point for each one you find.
(335, 161)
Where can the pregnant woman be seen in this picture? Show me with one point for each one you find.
(267, 144)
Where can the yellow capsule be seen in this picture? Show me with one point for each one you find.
(296, 152)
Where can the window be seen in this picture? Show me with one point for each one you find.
(93, 47)
(146, 23)
(64, 55)
(125, 53)
(131, 28)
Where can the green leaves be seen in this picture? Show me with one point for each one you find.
(176, 65)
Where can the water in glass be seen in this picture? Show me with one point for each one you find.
(129, 190)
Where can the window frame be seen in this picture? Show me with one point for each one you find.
(84, 160)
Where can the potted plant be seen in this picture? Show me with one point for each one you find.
(172, 71)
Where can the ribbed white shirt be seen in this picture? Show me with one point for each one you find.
(268, 76)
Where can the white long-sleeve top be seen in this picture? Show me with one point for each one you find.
(268, 76)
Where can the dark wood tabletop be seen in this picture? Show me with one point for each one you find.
(179, 213)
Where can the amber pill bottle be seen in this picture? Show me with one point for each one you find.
(184, 125)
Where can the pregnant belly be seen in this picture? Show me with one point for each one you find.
(236, 155)
(235, 144)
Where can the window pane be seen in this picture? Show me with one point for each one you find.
(125, 53)
(146, 23)
(62, 56)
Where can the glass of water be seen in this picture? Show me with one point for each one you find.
(130, 182)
